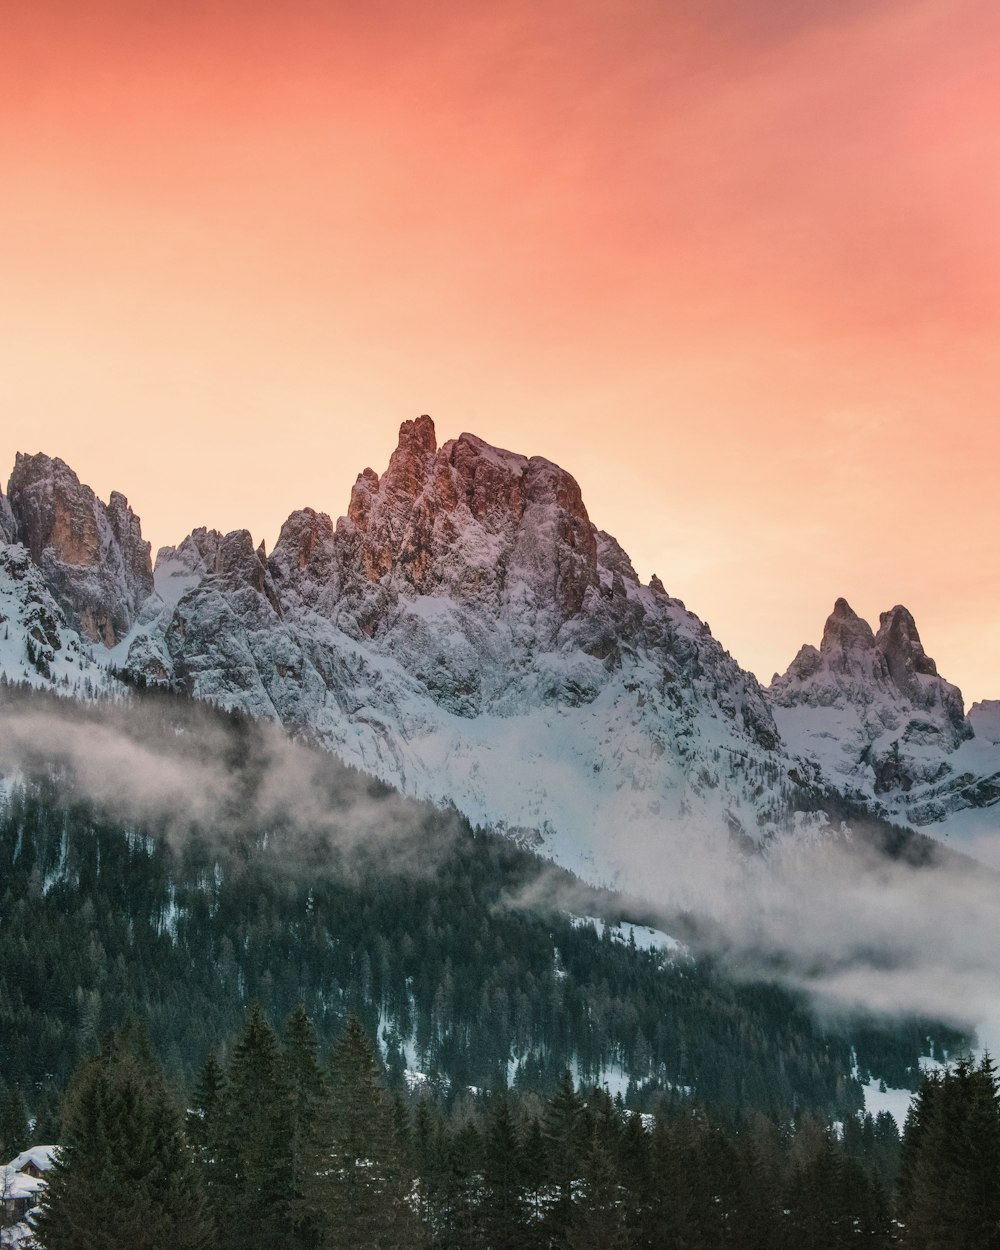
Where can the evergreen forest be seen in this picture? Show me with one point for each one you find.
(281, 1150)
(457, 1033)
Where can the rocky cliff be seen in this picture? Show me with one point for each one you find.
(91, 555)
(872, 712)
(467, 633)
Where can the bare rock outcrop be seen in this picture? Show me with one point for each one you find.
(92, 555)
(873, 712)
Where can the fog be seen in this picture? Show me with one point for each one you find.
(820, 909)
(179, 767)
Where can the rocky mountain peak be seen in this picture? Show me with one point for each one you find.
(471, 519)
(845, 630)
(418, 437)
(900, 644)
(303, 562)
(467, 633)
(8, 525)
(871, 707)
(93, 555)
(54, 510)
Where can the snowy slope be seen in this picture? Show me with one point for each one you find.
(467, 634)
(872, 713)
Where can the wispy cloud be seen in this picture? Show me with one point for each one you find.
(822, 911)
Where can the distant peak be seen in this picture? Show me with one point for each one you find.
(34, 466)
(845, 630)
(900, 618)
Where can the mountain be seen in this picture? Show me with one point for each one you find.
(91, 555)
(467, 634)
(871, 711)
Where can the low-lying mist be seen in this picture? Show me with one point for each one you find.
(175, 767)
(826, 910)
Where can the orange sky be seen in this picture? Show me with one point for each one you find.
(733, 264)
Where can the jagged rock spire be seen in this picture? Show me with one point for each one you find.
(845, 630)
(92, 554)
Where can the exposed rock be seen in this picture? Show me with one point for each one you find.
(470, 520)
(147, 662)
(845, 632)
(8, 526)
(303, 563)
(467, 634)
(872, 711)
(37, 643)
(92, 556)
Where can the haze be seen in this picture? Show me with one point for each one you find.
(735, 266)
(855, 930)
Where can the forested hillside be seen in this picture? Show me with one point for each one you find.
(453, 946)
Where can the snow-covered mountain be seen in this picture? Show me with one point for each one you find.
(466, 633)
(870, 709)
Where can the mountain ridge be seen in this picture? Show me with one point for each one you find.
(467, 633)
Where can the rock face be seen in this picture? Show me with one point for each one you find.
(92, 555)
(7, 525)
(872, 712)
(466, 633)
(491, 529)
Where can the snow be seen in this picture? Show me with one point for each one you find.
(173, 577)
(28, 611)
(895, 1101)
(985, 720)
(16, 1184)
(41, 1156)
(17, 1237)
(645, 938)
(612, 741)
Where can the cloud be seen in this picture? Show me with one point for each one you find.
(180, 768)
(859, 932)
(820, 910)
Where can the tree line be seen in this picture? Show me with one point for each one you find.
(279, 1148)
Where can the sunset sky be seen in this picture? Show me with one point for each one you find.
(733, 263)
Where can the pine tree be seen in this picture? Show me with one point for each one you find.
(356, 1185)
(636, 1177)
(306, 1093)
(124, 1177)
(536, 1186)
(13, 1123)
(950, 1171)
(563, 1131)
(504, 1211)
(251, 1176)
(459, 1188)
(599, 1214)
(205, 1112)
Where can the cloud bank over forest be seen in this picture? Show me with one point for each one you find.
(825, 912)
